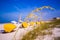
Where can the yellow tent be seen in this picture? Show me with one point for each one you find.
(9, 27)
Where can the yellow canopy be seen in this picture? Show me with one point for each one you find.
(38, 23)
(32, 23)
(9, 27)
(42, 22)
(25, 24)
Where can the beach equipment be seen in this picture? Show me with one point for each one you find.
(37, 23)
(9, 27)
(32, 23)
(42, 22)
(25, 24)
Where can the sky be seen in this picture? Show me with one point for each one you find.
(11, 9)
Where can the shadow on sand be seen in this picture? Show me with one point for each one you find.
(3, 32)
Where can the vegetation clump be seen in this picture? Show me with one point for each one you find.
(39, 30)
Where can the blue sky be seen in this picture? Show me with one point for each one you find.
(11, 9)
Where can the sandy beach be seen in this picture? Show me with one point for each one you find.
(21, 32)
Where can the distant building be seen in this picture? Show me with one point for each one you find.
(56, 18)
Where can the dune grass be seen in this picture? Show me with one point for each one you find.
(31, 35)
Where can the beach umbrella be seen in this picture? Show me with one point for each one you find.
(9, 27)
(38, 23)
(32, 23)
(25, 24)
